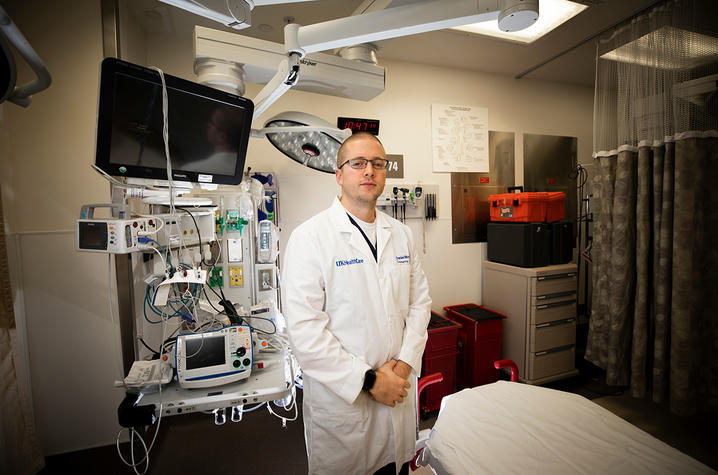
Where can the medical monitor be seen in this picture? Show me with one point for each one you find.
(208, 128)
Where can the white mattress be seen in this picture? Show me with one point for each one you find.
(517, 428)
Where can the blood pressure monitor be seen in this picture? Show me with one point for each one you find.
(214, 358)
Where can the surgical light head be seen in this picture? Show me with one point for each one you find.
(312, 142)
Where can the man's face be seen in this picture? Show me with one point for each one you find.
(361, 186)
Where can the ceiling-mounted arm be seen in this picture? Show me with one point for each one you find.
(286, 77)
(394, 22)
(21, 95)
(389, 23)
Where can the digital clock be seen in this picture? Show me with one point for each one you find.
(359, 125)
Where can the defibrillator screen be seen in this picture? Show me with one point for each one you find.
(204, 352)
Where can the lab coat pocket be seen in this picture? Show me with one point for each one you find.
(337, 430)
(399, 282)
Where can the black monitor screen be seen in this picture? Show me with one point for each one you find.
(208, 129)
(204, 352)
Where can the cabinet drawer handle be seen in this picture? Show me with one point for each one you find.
(556, 295)
(555, 304)
(556, 276)
(543, 325)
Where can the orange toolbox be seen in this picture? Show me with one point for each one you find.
(555, 206)
(536, 207)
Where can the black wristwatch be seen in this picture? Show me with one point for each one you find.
(369, 380)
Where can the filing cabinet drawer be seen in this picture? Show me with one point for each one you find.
(551, 284)
(552, 312)
(552, 335)
(548, 363)
(554, 297)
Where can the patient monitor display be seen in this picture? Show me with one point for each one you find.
(214, 358)
(208, 129)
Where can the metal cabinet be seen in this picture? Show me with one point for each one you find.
(540, 329)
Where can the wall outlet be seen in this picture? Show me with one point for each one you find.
(265, 279)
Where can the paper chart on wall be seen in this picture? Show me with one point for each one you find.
(460, 138)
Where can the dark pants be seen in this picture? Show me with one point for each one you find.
(391, 469)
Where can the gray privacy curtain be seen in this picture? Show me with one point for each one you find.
(654, 323)
(654, 319)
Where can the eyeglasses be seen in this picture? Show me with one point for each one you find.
(360, 163)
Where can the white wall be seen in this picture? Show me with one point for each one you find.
(60, 296)
(46, 152)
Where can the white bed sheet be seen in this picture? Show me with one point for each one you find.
(509, 427)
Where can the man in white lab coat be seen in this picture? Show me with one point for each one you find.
(357, 306)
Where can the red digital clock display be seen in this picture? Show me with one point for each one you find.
(359, 125)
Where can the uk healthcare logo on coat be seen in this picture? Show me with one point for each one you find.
(349, 262)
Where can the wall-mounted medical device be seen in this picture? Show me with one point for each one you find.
(182, 225)
(214, 358)
(409, 201)
(208, 128)
(109, 235)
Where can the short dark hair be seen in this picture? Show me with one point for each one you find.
(354, 137)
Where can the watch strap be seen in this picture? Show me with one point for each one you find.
(369, 380)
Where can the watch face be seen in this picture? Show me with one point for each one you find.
(359, 125)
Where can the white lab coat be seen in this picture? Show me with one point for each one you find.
(346, 314)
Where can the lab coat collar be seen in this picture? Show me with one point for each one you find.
(341, 221)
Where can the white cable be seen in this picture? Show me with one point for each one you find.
(112, 320)
(162, 256)
(165, 135)
(132, 463)
(110, 178)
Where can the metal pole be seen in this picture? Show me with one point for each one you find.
(123, 262)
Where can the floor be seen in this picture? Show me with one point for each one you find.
(194, 444)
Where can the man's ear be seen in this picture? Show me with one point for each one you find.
(338, 176)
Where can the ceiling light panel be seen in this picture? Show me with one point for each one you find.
(686, 49)
(552, 13)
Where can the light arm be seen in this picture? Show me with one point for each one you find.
(21, 95)
(395, 22)
(282, 81)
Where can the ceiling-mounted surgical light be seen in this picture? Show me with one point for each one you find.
(306, 139)
(517, 15)
(553, 14)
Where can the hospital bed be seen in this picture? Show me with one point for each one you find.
(507, 427)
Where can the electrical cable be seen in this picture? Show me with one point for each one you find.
(199, 237)
(166, 255)
(264, 331)
(141, 340)
(174, 221)
(149, 233)
(209, 301)
(146, 459)
(112, 320)
(210, 268)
